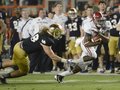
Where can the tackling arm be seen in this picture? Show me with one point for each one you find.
(52, 55)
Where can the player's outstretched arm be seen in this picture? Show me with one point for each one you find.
(52, 55)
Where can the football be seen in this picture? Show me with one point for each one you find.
(96, 38)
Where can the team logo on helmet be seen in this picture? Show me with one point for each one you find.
(56, 31)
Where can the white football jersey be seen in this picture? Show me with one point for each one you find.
(23, 27)
(61, 19)
(89, 26)
(38, 24)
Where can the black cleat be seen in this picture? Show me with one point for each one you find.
(3, 80)
(112, 71)
(59, 78)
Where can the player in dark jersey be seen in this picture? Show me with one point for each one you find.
(14, 34)
(114, 39)
(74, 31)
(39, 42)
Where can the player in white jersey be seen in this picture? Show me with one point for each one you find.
(59, 17)
(24, 24)
(88, 44)
(40, 22)
(102, 50)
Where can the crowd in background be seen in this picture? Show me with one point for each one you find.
(26, 24)
(20, 2)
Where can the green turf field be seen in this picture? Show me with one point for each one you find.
(75, 82)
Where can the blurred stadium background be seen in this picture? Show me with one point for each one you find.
(10, 5)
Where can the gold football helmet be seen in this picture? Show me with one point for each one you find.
(56, 31)
(72, 13)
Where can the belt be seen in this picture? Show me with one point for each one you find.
(73, 38)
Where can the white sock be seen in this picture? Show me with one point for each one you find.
(66, 73)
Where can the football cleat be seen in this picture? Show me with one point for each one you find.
(112, 71)
(59, 78)
(3, 80)
(100, 70)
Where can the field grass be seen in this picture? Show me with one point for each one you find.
(75, 82)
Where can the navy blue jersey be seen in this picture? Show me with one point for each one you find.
(114, 19)
(74, 26)
(13, 25)
(2, 15)
(33, 44)
(14, 22)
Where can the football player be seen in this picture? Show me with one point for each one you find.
(39, 42)
(2, 32)
(87, 45)
(114, 38)
(102, 50)
(13, 28)
(74, 31)
(60, 46)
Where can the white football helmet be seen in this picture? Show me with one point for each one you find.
(100, 21)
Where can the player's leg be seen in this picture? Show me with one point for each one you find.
(23, 70)
(119, 45)
(113, 42)
(88, 54)
(75, 66)
(73, 49)
(101, 54)
(20, 71)
(6, 63)
(20, 60)
(72, 70)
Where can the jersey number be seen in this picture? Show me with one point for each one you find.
(114, 22)
(15, 23)
(35, 38)
(72, 27)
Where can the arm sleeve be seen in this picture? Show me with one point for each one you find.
(47, 41)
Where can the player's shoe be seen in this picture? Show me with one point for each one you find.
(59, 78)
(112, 71)
(118, 70)
(3, 80)
(100, 70)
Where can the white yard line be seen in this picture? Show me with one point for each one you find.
(65, 81)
